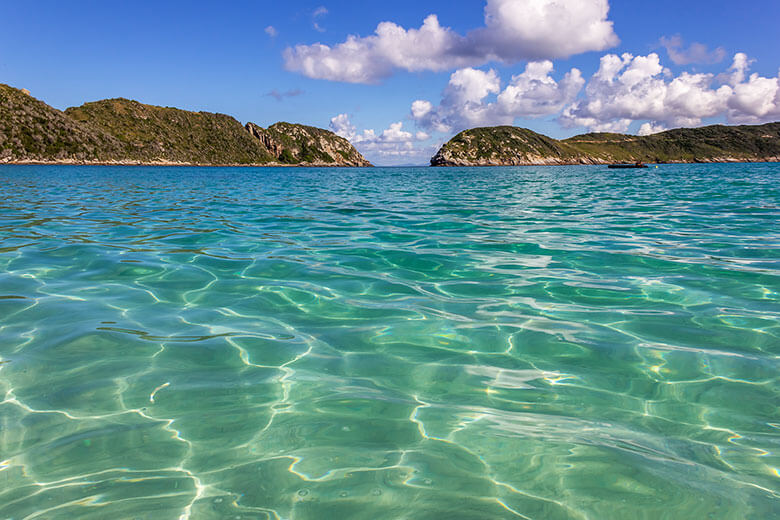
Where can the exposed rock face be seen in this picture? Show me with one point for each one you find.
(510, 146)
(306, 145)
(265, 138)
(122, 131)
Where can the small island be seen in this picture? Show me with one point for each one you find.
(511, 146)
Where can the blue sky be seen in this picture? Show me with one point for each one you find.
(223, 57)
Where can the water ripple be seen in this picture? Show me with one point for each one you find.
(533, 343)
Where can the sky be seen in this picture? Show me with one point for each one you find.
(400, 78)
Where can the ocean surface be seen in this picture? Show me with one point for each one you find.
(403, 343)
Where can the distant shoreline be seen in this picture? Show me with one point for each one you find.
(167, 164)
(171, 164)
(771, 160)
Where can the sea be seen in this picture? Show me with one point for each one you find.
(390, 343)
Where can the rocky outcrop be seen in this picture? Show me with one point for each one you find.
(306, 145)
(265, 139)
(510, 146)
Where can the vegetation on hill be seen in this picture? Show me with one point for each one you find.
(31, 130)
(717, 143)
(506, 145)
(307, 145)
(151, 133)
(126, 131)
(503, 145)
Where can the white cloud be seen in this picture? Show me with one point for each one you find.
(518, 30)
(393, 142)
(738, 69)
(695, 53)
(628, 88)
(514, 30)
(464, 102)
(341, 125)
(271, 31)
(651, 128)
(535, 93)
(421, 108)
(755, 99)
(366, 60)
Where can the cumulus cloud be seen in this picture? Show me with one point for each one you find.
(755, 99)
(651, 128)
(625, 89)
(514, 30)
(695, 53)
(628, 88)
(738, 70)
(394, 141)
(535, 93)
(271, 31)
(341, 125)
(518, 30)
(465, 103)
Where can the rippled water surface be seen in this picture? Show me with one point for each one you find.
(531, 343)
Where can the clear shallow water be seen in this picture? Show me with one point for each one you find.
(543, 343)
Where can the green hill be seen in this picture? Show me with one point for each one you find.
(31, 130)
(128, 132)
(150, 133)
(508, 146)
(503, 145)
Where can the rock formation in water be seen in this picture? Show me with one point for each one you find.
(123, 131)
(511, 146)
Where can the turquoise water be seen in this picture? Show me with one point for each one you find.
(530, 343)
